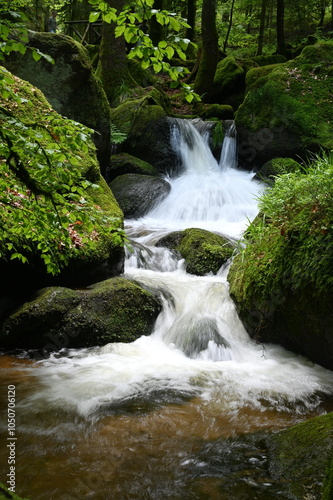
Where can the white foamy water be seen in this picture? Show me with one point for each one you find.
(199, 347)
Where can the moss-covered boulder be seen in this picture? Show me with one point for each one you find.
(287, 111)
(281, 281)
(137, 194)
(276, 166)
(204, 252)
(265, 60)
(102, 255)
(229, 83)
(218, 111)
(146, 124)
(115, 310)
(301, 458)
(69, 84)
(124, 163)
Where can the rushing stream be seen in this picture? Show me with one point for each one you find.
(171, 415)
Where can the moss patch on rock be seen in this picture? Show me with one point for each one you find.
(275, 167)
(124, 163)
(203, 251)
(288, 110)
(301, 457)
(69, 85)
(115, 310)
(148, 132)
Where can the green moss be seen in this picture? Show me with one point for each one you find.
(5, 494)
(295, 96)
(115, 310)
(124, 163)
(219, 111)
(228, 73)
(276, 167)
(301, 456)
(269, 60)
(203, 251)
(328, 484)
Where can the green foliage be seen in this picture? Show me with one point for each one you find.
(129, 25)
(289, 246)
(47, 211)
(14, 22)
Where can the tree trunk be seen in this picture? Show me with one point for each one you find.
(209, 58)
(155, 28)
(229, 27)
(191, 13)
(112, 66)
(281, 45)
(262, 27)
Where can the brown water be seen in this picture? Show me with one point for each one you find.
(189, 450)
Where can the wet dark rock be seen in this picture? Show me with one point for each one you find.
(137, 194)
(115, 310)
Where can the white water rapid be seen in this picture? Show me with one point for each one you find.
(142, 420)
(199, 346)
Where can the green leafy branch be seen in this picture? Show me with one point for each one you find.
(158, 58)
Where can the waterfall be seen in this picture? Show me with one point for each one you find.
(228, 157)
(144, 407)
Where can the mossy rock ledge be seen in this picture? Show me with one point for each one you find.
(69, 85)
(124, 163)
(287, 110)
(114, 310)
(302, 458)
(204, 252)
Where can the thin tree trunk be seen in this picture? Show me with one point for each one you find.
(229, 26)
(262, 27)
(281, 45)
(191, 13)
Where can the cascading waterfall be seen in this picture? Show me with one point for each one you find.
(196, 372)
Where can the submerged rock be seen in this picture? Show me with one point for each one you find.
(203, 251)
(115, 310)
(137, 194)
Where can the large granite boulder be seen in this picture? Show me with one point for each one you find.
(287, 110)
(69, 84)
(115, 310)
